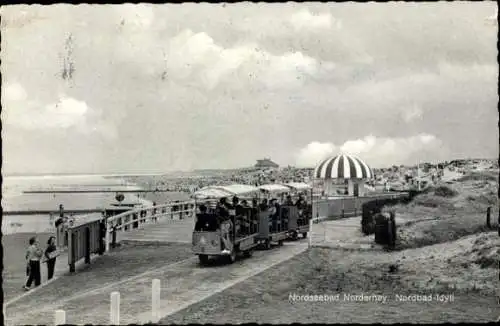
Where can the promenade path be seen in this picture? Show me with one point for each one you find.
(345, 234)
(85, 295)
(14, 267)
(166, 230)
(182, 284)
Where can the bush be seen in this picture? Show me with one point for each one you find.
(445, 191)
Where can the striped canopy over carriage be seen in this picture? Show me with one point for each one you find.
(224, 191)
(211, 194)
(344, 168)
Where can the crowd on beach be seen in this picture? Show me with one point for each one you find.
(254, 177)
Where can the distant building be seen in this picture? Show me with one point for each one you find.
(265, 164)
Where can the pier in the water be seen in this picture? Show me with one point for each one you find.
(91, 191)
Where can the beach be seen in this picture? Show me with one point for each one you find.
(13, 198)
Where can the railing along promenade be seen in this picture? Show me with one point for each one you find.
(346, 206)
(136, 218)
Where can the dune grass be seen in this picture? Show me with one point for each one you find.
(447, 212)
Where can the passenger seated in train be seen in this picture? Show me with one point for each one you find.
(276, 215)
(272, 215)
(222, 210)
(264, 205)
(299, 202)
(204, 221)
(300, 207)
(242, 213)
(272, 207)
(239, 207)
(224, 222)
(254, 213)
(288, 201)
(231, 207)
(235, 204)
(243, 216)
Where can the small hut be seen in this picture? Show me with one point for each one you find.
(265, 164)
(344, 169)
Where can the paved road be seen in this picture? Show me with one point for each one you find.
(166, 230)
(345, 234)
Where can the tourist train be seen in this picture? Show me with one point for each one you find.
(235, 219)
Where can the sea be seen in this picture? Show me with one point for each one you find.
(14, 198)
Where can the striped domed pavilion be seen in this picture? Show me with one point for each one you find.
(344, 168)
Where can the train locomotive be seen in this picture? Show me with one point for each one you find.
(236, 219)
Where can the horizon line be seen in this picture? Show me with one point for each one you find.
(129, 174)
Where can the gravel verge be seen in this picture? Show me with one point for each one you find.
(265, 297)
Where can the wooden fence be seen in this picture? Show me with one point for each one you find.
(85, 238)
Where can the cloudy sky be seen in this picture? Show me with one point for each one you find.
(153, 88)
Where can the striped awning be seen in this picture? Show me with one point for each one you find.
(224, 191)
(343, 167)
(209, 192)
(298, 186)
(276, 188)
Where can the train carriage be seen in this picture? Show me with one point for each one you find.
(228, 236)
(299, 215)
(273, 224)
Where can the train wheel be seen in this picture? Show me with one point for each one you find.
(267, 245)
(232, 256)
(203, 259)
(304, 235)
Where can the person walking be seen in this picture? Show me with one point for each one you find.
(33, 256)
(51, 254)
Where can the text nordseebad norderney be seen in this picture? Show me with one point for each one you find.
(364, 297)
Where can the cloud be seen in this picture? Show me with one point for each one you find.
(197, 55)
(377, 152)
(304, 19)
(411, 113)
(66, 113)
(207, 83)
(14, 92)
(314, 152)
